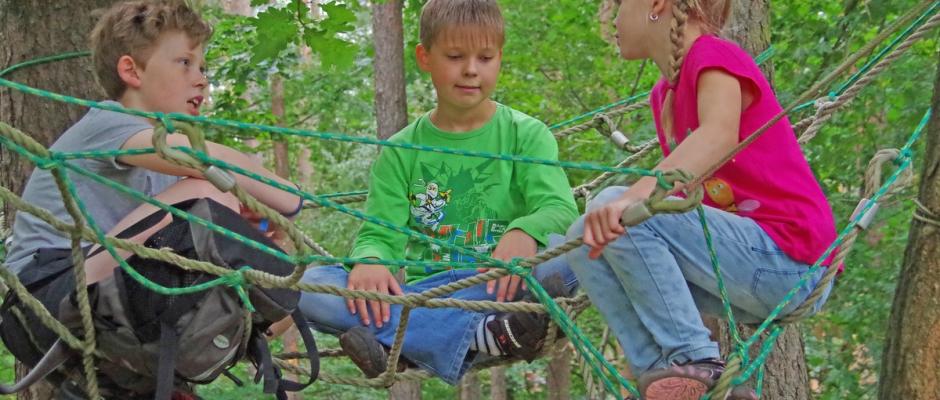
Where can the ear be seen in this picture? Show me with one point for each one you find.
(658, 7)
(424, 59)
(127, 69)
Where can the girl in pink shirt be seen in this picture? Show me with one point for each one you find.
(767, 214)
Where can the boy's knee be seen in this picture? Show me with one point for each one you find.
(195, 188)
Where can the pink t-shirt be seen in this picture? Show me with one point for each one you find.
(770, 181)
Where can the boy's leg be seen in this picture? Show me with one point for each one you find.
(437, 339)
(100, 265)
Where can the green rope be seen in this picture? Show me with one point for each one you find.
(872, 61)
(165, 117)
(44, 60)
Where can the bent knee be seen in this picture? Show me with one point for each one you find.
(605, 196)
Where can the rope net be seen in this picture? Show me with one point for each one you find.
(918, 22)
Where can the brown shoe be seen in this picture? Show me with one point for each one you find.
(364, 349)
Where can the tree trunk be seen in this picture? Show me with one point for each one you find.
(281, 151)
(786, 377)
(391, 110)
(31, 29)
(911, 360)
(498, 388)
(391, 107)
(470, 387)
(559, 376)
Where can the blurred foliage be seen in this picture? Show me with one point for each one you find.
(556, 65)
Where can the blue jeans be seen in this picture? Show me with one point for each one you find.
(437, 339)
(653, 283)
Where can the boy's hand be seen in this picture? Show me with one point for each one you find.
(271, 230)
(372, 278)
(515, 243)
(602, 226)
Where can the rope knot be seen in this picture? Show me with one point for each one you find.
(236, 280)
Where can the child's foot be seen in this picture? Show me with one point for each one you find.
(364, 349)
(523, 334)
(688, 382)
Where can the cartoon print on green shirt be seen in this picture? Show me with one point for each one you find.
(451, 205)
(428, 208)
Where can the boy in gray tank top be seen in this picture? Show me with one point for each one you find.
(148, 55)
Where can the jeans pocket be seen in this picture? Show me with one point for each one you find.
(771, 285)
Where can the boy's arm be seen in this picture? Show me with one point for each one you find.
(388, 201)
(550, 205)
(277, 199)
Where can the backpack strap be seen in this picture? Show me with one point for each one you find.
(56, 356)
(273, 381)
(166, 361)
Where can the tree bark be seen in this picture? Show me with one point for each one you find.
(470, 387)
(911, 360)
(391, 111)
(281, 150)
(31, 29)
(559, 376)
(786, 376)
(498, 388)
(391, 107)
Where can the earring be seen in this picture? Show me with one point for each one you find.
(654, 17)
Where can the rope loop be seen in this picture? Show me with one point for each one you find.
(873, 174)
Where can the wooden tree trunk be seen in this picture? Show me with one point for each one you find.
(910, 367)
(391, 107)
(498, 388)
(31, 29)
(559, 376)
(470, 387)
(786, 377)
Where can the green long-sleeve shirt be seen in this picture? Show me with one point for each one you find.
(467, 201)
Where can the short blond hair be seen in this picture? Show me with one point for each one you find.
(133, 28)
(439, 15)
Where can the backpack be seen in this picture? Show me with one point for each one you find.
(153, 343)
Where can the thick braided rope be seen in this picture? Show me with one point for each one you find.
(78, 269)
(591, 124)
(826, 107)
(872, 182)
(197, 141)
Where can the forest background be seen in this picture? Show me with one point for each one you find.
(310, 65)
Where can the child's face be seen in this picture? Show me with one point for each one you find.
(174, 78)
(632, 25)
(464, 66)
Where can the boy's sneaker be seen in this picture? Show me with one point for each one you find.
(521, 334)
(364, 349)
(688, 381)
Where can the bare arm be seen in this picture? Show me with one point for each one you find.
(276, 199)
(720, 103)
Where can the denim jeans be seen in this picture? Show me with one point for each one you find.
(653, 283)
(437, 339)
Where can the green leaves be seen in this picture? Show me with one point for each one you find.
(279, 28)
(276, 28)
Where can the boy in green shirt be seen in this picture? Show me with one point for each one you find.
(506, 209)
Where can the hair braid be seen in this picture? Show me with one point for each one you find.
(680, 15)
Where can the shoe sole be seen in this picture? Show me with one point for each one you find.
(374, 362)
(675, 389)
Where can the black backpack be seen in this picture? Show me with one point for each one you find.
(153, 342)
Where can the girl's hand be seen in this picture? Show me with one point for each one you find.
(602, 225)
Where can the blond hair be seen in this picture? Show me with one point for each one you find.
(132, 28)
(438, 15)
(711, 14)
